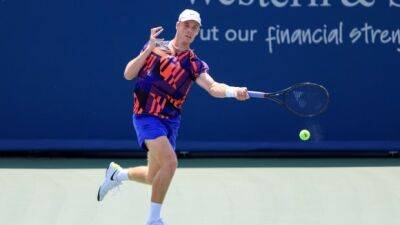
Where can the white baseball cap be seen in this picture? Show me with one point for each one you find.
(189, 14)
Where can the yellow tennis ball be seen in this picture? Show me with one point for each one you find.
(304, 135)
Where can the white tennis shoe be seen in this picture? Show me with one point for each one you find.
(110, 181)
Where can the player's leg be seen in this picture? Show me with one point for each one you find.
(153, 168)
(162, 153)
(143, 174)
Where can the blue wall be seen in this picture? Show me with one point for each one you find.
(62, 65)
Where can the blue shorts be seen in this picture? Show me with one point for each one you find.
(151, 127)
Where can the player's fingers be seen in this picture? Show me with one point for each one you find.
(242, 98)
(158, 32)
(155, 30)
(246, 93)
(243, 93)
(239, 94)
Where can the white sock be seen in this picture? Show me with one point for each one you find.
(155, 210)
(123, 175)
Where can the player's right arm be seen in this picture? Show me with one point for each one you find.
(134, 66)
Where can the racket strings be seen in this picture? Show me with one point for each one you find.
(307, 99)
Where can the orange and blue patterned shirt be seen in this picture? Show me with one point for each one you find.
(165, 80)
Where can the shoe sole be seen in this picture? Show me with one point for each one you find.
(98, 192)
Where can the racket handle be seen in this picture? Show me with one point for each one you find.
(257, 94)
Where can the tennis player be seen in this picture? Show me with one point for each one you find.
(165, 70)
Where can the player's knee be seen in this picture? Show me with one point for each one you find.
(149, 179)
(171, 165)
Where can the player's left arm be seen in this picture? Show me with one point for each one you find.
(221, 90)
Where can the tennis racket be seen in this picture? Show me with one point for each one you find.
(303, 99)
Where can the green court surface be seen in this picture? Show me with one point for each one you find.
(206, 191)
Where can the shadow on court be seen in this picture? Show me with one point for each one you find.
(62, 163)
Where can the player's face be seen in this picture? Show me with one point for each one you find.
(187, 30)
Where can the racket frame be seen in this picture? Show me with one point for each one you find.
(274, 96)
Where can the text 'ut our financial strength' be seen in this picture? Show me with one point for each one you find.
(323, 35)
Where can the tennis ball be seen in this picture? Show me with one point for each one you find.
(304, 135)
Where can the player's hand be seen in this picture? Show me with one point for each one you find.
(242, 94)
(154, 32)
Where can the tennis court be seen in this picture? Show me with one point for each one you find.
(280, 112)
(304, 191)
